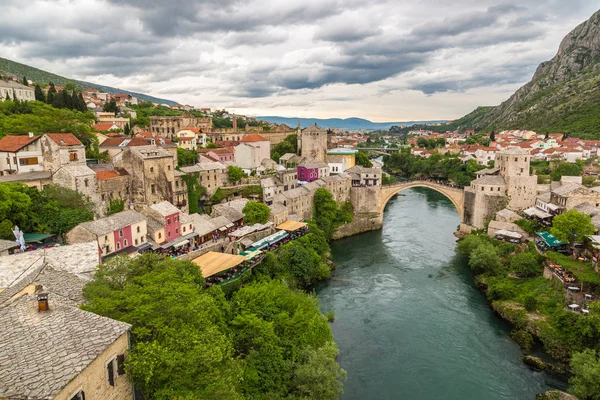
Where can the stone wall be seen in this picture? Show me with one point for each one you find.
(93, 379)
(116, 188)
(366, 202)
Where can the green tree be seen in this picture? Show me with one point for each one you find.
(217, 197)
(195, 191)
(24, 81)
(235, 174)
(51, 94)
(39, 94)
(320, 377)
(111, 106)
(16, 209)
(256, 213)
(186, 157)
(585, 382)
(572, 226)
(362, 159)
(325, 211)
(565, 169)
(304, 264)
(468, 244)
(525, 264)
(115, 206)
(485, 259)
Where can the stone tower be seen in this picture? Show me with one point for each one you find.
(313, 144)
(521, 187)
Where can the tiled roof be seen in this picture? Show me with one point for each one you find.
(165, 208)
(103, 126)
(145, 134)
(490, 180)
(102, 175)
(254, 137)
(189, 128)
(113, 222)
(64, 139)
(124, 142)
(16, 143)
(222, 151)
(43, 351)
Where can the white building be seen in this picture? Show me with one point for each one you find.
(253, 148)
(20, 154)
(12, 89)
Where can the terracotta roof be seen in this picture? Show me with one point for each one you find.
(64, 139)
(145, 134)
(222, 151)
(254, 137)
(16, 143)
(189, 128)
(103, 126)
(102, 175)
(124, 142)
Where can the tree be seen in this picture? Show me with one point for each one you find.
(485, 259)
(24, 81)
(186, 157)
(325, 208)
(127, 130)
(115, 206)
(525, 264)
(235, 174)
(304, 264)
(320, 377)
(51, 94)
(585, 382)
(256, 213)
(572, 226)
(565, 169)
(362, 159)
(466, 246)
(39, 94)
(111, 106)
(492, 136)
(217, 197)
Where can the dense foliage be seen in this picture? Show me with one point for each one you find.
(55, 209)
(328, 215)
(288, 145)
(362, 159)
(266, 341)
(565, 169)
(235, 174)
(440, 167)
(572, 226)
(186, 157)
(115, 206)
(195, 191)
(256, 213)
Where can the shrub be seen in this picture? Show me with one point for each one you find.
(500, 291)
(530, 303)
(523, 339)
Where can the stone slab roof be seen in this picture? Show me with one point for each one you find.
(7, 244)
(80, 258)
(165, 208)
(43, 351)
(149, 152)
(495, 180)
(277, 208)
(26, 176)
(566, 189)
(545, 197)
(113, 222)
(205, 166)
(78, 170)
(231, 210)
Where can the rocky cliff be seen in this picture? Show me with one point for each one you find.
(563, 95)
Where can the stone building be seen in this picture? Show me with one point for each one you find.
(569, 196)
(113, 234)
(12, 90)
(152, 174)
(312, 143)
(180, 193)
(341, 159)
(362, 176)
(19, 154)
(278, 183)
(339, 186)
(298, 201)
(310, 171)
(51, 349)
(116, 145)
(80, 178)
(60, 149)
(210, 175)
(113, 184)
(508, 184)
(168, 126)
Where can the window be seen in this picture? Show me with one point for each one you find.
(169, 234)
(176, 184)
(121, 364)
(80, 395)
(28, 161)
(190, 227)
(176, 230)
(107, 249)
(168, 167)
(159, 235)
(136, 242)
(110, 372)
(118, 246)
(103, 197)
(153, 188)
(168, 221)
(138, 229)
(151, 169)
(105, 237)
(73, 157)
(184, 229)
(125, 243)
(86, 182)
(121, 233)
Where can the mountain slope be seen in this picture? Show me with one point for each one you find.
(9, 67)
(564, 93)
(348, 123)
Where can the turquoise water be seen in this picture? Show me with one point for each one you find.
(408, 320)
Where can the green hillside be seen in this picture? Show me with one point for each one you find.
(8, 67)
(563, 95)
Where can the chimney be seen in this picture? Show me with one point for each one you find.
(30, 134)
(42, 299)
(234, 122)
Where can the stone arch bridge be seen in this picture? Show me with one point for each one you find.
(454, 194)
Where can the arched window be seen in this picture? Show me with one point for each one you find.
(118, 246)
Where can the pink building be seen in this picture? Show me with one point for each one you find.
(123, 238)
(170, 219)
(221, 155)
(307, 174)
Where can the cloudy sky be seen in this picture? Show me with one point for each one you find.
(384, 60)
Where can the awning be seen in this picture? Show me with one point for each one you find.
(144, 246)
(553, 207)
(536, 212)
(550, 239)
(269, 240)
(183, 243)
(230, 225)
(212, 262)
(291, 226)
(251, 254)
(36, 237)
(223, 229)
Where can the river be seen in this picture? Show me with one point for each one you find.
(409, 322)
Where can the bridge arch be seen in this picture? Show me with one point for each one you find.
(455, 195)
